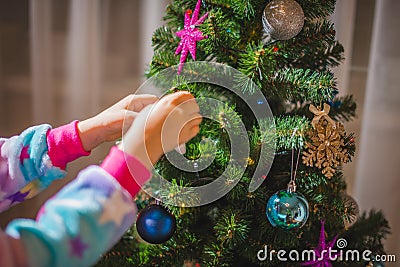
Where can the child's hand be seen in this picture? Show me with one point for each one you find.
(107, 125)
(161, 127)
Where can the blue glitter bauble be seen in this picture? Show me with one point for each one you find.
(287, 210)
(155, 224)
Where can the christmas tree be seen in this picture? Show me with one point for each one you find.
(287, 49)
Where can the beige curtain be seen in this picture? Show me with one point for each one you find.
(69, 59)
(378, 178)
(368, 29)
(343, 19)
(97, 48)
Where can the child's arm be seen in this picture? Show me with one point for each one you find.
(90, 214)
(81, 222)
(31, 161)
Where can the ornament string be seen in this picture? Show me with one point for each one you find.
(157, 199)
(293, 171)
(196, 168)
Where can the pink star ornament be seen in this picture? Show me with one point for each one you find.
(190, 35)
(324, 251)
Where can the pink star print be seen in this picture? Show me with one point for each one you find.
(190, 35)
(77, 247)
(24, 154)
(322, 251)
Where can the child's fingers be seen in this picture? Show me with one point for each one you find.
(138, 102)
(188, 132)
(190, 106)
(146, 99)
(192, 127)
(180, 97)
(125, 102)
(129, 116)
(195, 130)
(195, 119)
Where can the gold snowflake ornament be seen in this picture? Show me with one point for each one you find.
(325, 148)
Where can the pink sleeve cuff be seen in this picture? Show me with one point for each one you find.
(126, 169)
(65, 145)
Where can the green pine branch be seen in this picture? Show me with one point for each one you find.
(301, 85)
(232, 229)
(368, 232)
(256, 63)
(314, 48)
(164, 39)
(314, 9)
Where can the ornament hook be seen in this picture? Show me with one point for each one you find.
(293, 171)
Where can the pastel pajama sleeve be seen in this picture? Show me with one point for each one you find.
(31, 161)
(82, 221)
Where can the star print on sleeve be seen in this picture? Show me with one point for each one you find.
(190, 35)
(77, 247)
(115, 208)
(24, 154)
(18, 197)
(81, 222)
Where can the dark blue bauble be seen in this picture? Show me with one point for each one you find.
(155, 224)
(287, 210)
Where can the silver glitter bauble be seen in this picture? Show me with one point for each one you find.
(283, 19)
